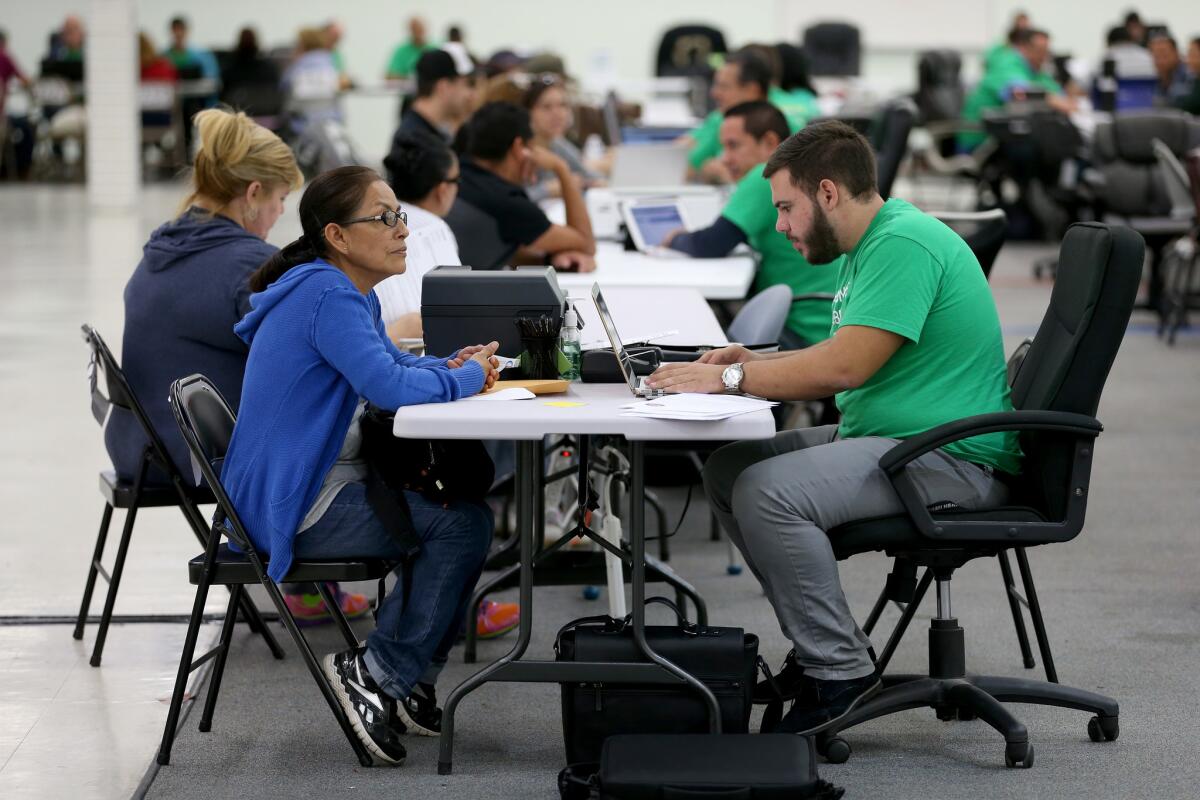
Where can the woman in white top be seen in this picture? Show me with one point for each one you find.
(425, 179)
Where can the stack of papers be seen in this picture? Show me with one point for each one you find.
(700, 407)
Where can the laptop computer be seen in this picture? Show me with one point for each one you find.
(636, 384)
(656, 164)
(649, 223)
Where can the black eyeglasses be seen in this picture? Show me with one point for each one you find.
(389, 218)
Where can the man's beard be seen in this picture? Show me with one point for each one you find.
(821, 242)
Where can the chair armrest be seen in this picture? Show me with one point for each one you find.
(1082, 427)
(1062, 421)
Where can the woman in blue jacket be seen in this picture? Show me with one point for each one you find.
(318, 353)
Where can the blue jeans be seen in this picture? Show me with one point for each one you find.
(409, 645)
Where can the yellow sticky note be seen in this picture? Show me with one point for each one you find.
(563, 404)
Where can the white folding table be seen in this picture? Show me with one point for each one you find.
(716, 278)
(585, 409)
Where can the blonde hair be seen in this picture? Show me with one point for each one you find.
(234, 152)
(311, 39)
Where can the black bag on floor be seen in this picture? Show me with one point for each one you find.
(723, 658)
(695, 767)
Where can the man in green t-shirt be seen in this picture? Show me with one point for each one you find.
(745, 76)
(404, 57)
(749, 134)
(1011, 72)
(916, 343)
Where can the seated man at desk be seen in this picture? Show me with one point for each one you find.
(749, 134)
(1010, 74)
(916, 343)
(744, 77)
(494, 220)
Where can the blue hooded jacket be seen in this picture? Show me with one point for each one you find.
(181, 304)
(317, 345)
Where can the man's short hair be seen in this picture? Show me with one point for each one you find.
(1024, 37)
(1118, 35)
(826, 151)
(490, 132)
(178, 22)
(1164, 37)
(434, 66)
(752, 68)
(760, 118)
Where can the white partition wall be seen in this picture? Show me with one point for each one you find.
(113, 125)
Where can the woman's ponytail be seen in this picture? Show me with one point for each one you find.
(332, 196)
(298, 252)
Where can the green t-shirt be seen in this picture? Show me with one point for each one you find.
(707, 136)
(336, 55)
(798, 108)
(913, 276)
(405, 56)
(750, 209)
(1007, 70)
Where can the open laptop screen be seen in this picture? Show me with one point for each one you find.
(654, 222)
(613, 337)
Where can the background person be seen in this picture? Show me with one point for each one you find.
(550, 118)
(404, 58)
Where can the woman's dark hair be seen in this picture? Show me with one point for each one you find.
(247, 43)
(538, 85)
(417, 164)
(332, 196)
(793, 68)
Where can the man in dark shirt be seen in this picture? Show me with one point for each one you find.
(442, 96)
(494, 220)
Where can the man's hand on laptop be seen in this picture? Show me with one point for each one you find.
(730, 354)
(688, 377)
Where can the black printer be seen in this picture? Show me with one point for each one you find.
(462, 306)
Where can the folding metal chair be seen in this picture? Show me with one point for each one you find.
(206, 422)
(137, 495)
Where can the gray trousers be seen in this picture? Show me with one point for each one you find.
(776, 498)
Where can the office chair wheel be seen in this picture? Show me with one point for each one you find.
(1104, 729)
(946, 713)
(734, 569)
(1018, 754)
(591, 593)
(835, 749)
(965, 715)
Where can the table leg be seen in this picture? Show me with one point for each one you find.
(530, 510)
(637, 543)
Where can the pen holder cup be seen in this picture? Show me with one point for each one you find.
(541, 358)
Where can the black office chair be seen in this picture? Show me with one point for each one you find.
(834, 49)
(684, 50)
(1128, 185)
(105, 375)
(889, 137)
(984, 232)
(1055, 397)
(478, 235)
(206, 423)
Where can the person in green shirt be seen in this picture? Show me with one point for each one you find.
(749, 134)
(404, 57)
(916, 343)
(1013, 71)
(745, 76)
(1020, 22)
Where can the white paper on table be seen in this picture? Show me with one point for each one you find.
(514, 393)
(690, 405)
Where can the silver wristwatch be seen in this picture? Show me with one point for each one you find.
(732, 377)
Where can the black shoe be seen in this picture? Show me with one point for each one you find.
(833, 700)
(371, 712)
(786, 684)
(419, 713)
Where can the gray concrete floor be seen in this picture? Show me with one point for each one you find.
(1122, 601)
